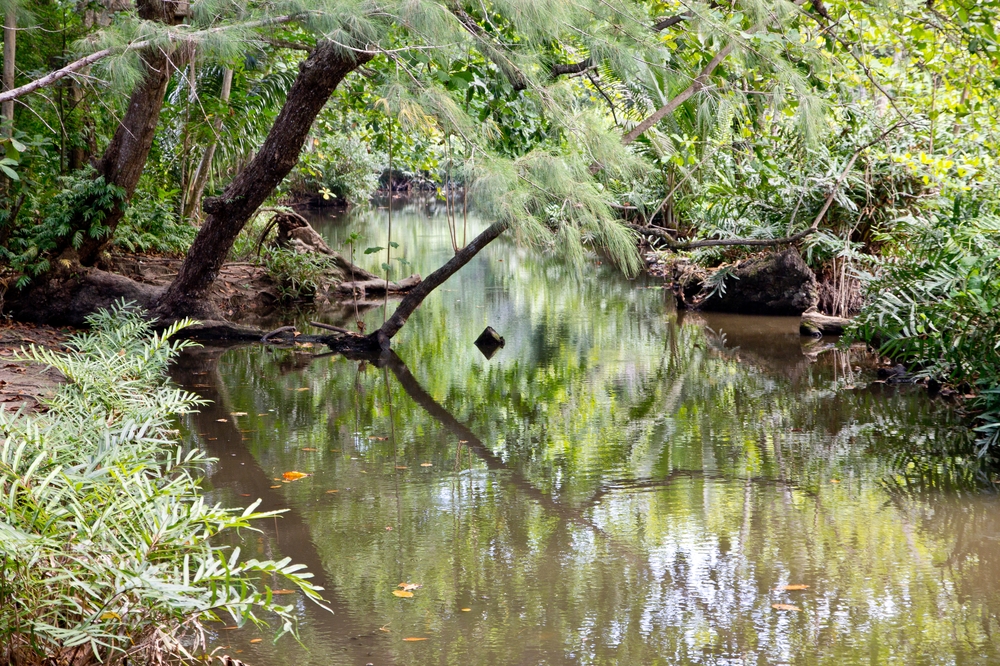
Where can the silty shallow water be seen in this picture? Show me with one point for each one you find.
(621, 483)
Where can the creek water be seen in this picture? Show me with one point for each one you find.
(621, 483)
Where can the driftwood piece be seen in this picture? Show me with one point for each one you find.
(817, 325)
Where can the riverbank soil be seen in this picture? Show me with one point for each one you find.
(23, 384)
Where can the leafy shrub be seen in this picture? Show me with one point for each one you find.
(934, 303)
(298, 276)
(151, 223)
(338, 165)
(107, 549)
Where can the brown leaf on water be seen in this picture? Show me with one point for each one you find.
(410, 586)
(212, 439)
(463, 441)
(294, 476)
(385, 628)
(244, 494)
(403, 593)
(332, 491)
(465, 610)
(307, 448)
(273, 487)
(264, 414)
(256, 640)
(414, 638)
(375, 438)
(222, 420)
(785, 607)
(282, 591)
(427, 464)
(237, 413)
(794, 587)
(304, 388)
(230, 628)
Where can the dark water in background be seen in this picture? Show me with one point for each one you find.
(621, 483)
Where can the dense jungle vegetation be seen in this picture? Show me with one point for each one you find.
(862, 133)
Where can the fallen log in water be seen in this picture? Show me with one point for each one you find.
(817, 325)
(378, 285)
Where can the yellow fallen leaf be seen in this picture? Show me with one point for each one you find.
(426, 464)
(466, 610)
(256, 640)
(307, 448)
(273, 487)
(282, 591)
(110, 616)
(294, 476)
(402, 593)
(794, 587)
(332, 491)
(401, 467)
(237, 413)
(414, 638)
(834, 480)
(264, 414)
(373, 438)
(785, 607)
(410, 586)
(463, 441)
(222, 420)
(304, 388)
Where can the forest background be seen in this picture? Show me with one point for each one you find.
(861, 133)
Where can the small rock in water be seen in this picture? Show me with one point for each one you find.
(489, 342)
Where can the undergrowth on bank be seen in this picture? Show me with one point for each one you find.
(934, 300)
(107, 546)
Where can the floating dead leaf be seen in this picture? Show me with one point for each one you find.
(463, 441)
(385, 628)
(834, 480)
(237, 413)
(388, 528)
(403, 593)
(256, 640)
(402, 467)
(307, 448)
(410, 586)
(222, 420)
(282, 591)
(792, 588)
(426, 464)
(244, 494)
(212, 439)
(374, 438)
(332, 491)
(294, 476)
(466, 610)
(304, 388)
(264, 414)
(273, 487)
(785, 607)
(230, 628)
(414, 638)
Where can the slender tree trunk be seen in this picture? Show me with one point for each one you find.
(126, 154)
(416, 296)
(9, 51)
(192, 202)
(319, 75)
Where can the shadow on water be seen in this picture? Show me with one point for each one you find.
(621, 483)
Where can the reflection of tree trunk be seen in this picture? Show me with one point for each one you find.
(240, 472)
(192, 197)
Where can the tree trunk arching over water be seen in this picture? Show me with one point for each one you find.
(319, 75)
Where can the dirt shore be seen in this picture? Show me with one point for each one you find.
(23, 384)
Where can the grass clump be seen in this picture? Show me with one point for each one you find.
(107, 548)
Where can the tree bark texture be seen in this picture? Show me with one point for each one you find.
(9, 51)
(126, 154)
(416, 296)
(319, 75)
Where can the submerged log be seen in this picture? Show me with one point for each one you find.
(817, 325)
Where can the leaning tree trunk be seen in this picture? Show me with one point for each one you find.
(416, 296)
(319, 75)
(126, 154)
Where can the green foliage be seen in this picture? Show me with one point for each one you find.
(106, 544)
(151, 223)
(83, 197)
(337, 166)
(297, 276)
(934, 303)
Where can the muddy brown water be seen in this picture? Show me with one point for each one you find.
(620, 484)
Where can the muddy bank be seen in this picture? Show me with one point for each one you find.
(22, 384)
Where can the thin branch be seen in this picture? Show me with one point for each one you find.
(514, 75)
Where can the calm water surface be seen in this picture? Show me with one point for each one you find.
(622, 483)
